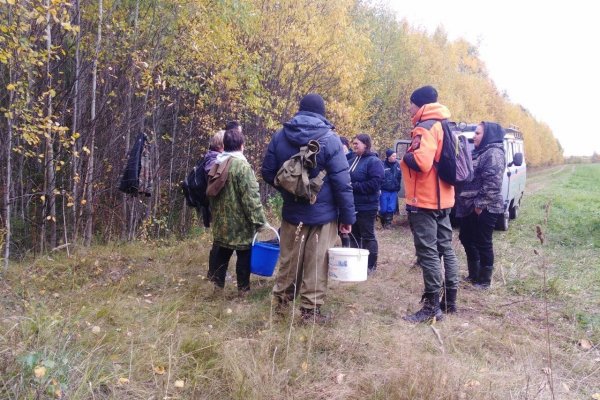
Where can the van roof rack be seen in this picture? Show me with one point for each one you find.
(514, 129)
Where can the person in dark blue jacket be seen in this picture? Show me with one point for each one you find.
(388, 201)
(309, 230)
(366, 173)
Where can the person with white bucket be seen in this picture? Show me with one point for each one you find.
(309, 230)
(366, 174)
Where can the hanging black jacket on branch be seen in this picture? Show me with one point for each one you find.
(137, 176)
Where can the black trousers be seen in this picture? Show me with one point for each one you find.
(363, 231)
(476, 237)
(219, 261)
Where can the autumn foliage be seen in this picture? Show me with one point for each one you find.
(80, 79)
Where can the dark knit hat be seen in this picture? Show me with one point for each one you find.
(314, 103)
(424, 95)
(388, 153)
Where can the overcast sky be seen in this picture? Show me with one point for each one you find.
(544, 54)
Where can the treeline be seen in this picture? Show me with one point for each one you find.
(80, 79)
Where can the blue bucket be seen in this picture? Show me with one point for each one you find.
(264, 256)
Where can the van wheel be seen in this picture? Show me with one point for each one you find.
(502, 223)
(514, 212)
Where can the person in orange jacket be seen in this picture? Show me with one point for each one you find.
(428, 203)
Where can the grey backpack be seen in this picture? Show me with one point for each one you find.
(293, 176)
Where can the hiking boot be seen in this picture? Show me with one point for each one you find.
(429, 311)
(243, 293)
(313, 316)
(448, 303)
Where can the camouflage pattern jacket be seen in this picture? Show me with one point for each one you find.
(485, 190)
(236, 210)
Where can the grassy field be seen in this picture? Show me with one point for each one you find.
(137, 321)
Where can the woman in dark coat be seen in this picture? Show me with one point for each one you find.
(479, 203)
(366, 174)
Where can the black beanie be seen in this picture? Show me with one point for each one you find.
(388, 153)
(424, 95)
(314, 103)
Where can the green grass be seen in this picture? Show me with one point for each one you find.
(129, 320)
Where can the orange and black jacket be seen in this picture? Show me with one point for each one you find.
(422, 186)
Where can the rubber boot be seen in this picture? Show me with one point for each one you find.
(389, 217)
(372, 263)
(448, 303)
(484, 280)
(474, 268)
(430, 310)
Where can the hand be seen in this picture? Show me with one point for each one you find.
(345, 228)
(478, 210)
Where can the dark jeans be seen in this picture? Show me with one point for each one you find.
(432, 235)
(363, 231)
(218, 262)
(476, 237)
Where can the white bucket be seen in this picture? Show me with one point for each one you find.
(347, 264)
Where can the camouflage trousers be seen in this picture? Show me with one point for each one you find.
(303, 263)
(432, 235)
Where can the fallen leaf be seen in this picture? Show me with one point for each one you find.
(596, 396)
(39, 371)
(566, 387)
(123, 381)
(472, 383)
(229, 311)
(340, 378)
(304, 366)
(179, 383)
(95, 329)
(584, 344)
(159, 370)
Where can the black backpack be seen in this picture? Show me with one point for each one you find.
(455, 165)
(194, 186)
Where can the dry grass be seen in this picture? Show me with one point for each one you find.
(132, 321)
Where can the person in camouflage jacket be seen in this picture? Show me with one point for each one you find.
(237, 214)
(479, 203)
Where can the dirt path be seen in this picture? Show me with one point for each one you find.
(540, 178)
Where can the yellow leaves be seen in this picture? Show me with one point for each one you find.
(159, 370)
(10, 87)
(39, 372)
(83, 202)
(122, 381)
(86, 150)
(11, 2)
(43, 198)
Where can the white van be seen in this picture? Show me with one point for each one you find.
(515, 174)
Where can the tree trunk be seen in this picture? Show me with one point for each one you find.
(49, 214)
(7, 213)
(89, 176)
(75, 164)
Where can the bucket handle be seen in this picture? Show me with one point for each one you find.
(271, 228)
(348, 236)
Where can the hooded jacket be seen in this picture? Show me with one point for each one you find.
(422, 186)
(489, 163)
(392, 176)
(366, 174)
(334, 201)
